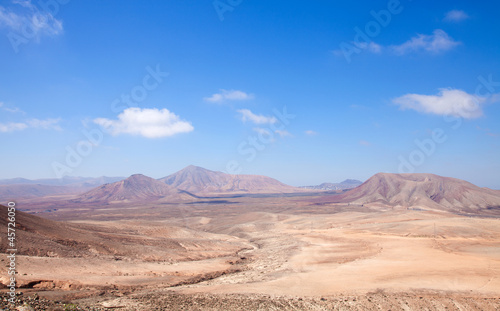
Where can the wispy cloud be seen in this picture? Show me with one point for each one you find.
(447, 102)
(9, 109)
(488, 132)
(371, 47)
(311, 132)
(261, 130)
(438, 41)
(47, 124)
(455, 16)
(266, 134)
(149, 123)
(365, 143)
(283, 133)
(228, 95)
(247, 115)
(12, 127)
(269, 134)
(24, 16)
(14, 110)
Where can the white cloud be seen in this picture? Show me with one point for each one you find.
(228, 95)
(149, 123)
(311, 133)
(448, 102)
(27, 18)
(48, 124)
(439, 41)
(455, 16)
(247, 115)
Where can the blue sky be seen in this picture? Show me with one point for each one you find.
(90, 88)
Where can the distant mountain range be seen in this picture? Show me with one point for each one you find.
(198, 180)
(346, 184)
(86, 182)
(24, 191)
(178, 186)
(420, 191)
(21, 188)
(383, 190)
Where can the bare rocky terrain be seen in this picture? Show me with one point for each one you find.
(262, 252)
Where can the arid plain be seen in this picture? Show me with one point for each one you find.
(259, 251)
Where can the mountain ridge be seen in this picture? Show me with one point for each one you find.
(422, 190)
(63, 181)
(196, 179)
(137, 187)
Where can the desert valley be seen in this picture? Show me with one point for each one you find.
(205, 240)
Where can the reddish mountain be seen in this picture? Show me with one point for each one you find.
(195, 179)
(426, 191)
(135, 188)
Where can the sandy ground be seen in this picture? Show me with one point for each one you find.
(356, 253)
(322, 261)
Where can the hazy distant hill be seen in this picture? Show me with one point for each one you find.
(196, 179)
(23, 191)
(346, 184)
(21, 188)
(421, 191)
(64, 181)
(135, 188)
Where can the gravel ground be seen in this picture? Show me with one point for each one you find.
(206, 302)
(368, 302)
(35, 303)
